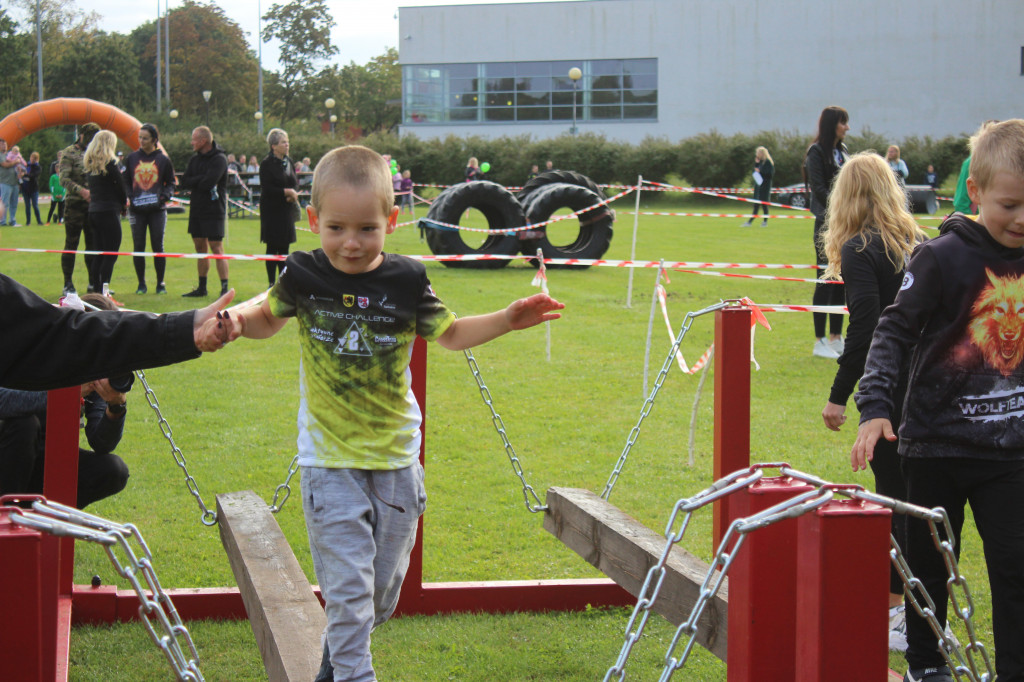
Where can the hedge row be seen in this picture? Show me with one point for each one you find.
(706, 160)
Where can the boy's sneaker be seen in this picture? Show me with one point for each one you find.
(69, 288)
(940, 674)
(837, 345)
(161, 288)
(897, 628)
(822, 349)
(195, 293)
(142, 288)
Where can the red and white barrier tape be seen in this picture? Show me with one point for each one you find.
(718, 215)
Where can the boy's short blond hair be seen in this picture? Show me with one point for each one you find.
(997, 147)
(356, 166)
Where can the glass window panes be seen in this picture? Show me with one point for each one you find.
(609, 90)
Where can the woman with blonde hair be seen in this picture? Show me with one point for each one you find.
(764, 170)
(108, 199)
(868, 241)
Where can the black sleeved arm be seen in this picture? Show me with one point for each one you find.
(863, 276)
(102, 432)
(816, 175)
(46, 347)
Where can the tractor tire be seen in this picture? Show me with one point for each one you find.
(498, 205)
(557, 176)
(594, 237)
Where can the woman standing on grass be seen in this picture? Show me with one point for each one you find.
(824, 159)
(108, 198)
(868, 242)
(279, 201)
(30, 188)
(149, 175)
(764, 170)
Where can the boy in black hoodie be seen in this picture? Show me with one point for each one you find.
(957, 329)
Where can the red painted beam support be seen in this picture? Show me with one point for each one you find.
(842, 604)
(763, 587)
(732, 405)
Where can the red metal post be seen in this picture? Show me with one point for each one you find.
(60, 477)
(841, 605)
(732, 405)
(763, 587)
(24, 593)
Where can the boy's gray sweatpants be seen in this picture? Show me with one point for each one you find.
(362, 527)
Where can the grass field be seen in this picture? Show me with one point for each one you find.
(233, 415)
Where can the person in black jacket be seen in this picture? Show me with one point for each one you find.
(279, 201)
(955, 331)
(868, 241)
(823, 160)
(30, 188)
(149, 175)
(108, 198)
(207, 176)
(101, 473)
(764, 170)
(47, 347)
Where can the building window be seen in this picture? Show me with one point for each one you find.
(609, 90)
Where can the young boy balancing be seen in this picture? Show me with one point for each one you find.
(957, 329)
(359, 310)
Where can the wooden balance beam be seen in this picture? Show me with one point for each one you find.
(624, 550)
(286, 616)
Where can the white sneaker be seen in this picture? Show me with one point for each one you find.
(837, 345)
(822, 349)
(897, 629)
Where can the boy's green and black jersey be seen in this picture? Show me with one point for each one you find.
(356, 405)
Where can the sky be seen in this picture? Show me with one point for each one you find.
(363, 28)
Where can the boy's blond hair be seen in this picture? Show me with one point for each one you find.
(356, 166)
(997, 147)
(101, 150)
(867, 198)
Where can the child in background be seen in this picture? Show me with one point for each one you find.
(359, 310)
(955, 330)
(57, 193)
(406, 189)
(868, 240)
(15, 155)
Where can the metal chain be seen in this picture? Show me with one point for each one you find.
(292, 468)
(61, 520)
(499, 426)
(649, 402)
(209, 517)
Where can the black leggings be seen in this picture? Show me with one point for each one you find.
(275, 266)
(762, 192)
(57, 206)
(826, 294)
(106, 226)
(156, 222)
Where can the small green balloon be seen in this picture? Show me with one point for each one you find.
(485, 167)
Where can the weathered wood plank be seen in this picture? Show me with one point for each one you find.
(624, 549)
(284, 612)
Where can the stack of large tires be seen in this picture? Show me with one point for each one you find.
(536, 202)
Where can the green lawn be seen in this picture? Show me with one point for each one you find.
(233, 415)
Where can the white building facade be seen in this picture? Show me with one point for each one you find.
(676, 68)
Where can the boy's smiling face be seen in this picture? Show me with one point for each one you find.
(352, 225)
(1001, 207)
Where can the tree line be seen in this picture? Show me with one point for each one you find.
(208, 51)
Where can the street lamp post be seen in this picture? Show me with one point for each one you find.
(206, 98)
(329, 103)
(574, 74)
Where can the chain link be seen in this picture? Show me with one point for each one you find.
(965, 666)
(61, 520)
(292, 468)
(649, 401)
(209, 517)
(499, 426)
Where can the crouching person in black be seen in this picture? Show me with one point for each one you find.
(101, 473)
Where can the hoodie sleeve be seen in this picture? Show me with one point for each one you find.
(897, 334)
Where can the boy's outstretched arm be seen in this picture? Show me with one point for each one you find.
(468, 332)
(867, 436)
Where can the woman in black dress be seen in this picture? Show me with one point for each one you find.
(279, 201)
(108, 200)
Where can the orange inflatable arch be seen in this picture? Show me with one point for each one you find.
(69, 110)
